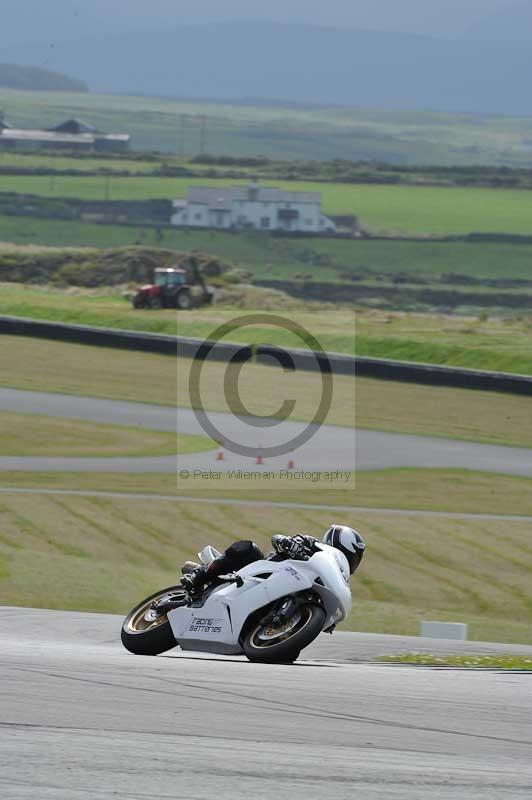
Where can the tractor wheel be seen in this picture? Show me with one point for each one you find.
(184, 300)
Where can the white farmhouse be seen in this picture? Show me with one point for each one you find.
(251, 207)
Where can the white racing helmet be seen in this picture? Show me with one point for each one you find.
(348, 541)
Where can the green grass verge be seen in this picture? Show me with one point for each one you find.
(104, 554)
(506, 662)
(39, 435)
(398, 209)
(476, 343)
(58, 161)
(442, 490)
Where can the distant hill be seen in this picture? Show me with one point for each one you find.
(14, 76)
(263, 60)
(306, 64)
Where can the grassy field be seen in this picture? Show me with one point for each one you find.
(52, 162)
(304, 132)
(56, 161)
(511, 662)
(406, 489)
(468, 277)
(381, 405)
(391, 209)
(103, 554)
(492, 344)
(504, 345)
(39, 435)
(441, 490)
(282, 258)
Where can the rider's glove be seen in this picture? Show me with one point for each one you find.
(195, 581)
(297, 547)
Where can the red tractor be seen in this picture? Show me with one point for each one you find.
(174, 287)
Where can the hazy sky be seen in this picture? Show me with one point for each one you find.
(446, 17)
(24, 20)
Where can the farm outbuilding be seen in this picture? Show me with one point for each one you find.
(72, 134)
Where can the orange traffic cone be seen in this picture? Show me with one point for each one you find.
(291, 464)
(220, 455)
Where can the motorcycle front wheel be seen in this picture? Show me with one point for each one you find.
(147, 633)
(282, 644)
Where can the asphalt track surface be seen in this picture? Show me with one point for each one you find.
(331, 448)
(82, 718)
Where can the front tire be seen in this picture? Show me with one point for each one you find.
(281, 645)
(146, 634)
(139, 302)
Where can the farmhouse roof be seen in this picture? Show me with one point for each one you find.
(224, 196)
(74, 125)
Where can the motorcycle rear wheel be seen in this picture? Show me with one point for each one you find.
(282, 644)
(146, 634)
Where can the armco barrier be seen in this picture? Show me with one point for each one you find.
(405, 371)
(82, 334)
(306, 360)
(126, 340)
(338, 364)
(433, 375)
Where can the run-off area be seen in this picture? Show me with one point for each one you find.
(83, 718)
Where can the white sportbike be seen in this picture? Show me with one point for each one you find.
(269, 610)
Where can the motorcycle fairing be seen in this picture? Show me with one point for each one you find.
(216, 625)
(218, 622)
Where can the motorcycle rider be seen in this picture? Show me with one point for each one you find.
(300, 547)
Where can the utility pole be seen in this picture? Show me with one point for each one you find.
(203, 135)
(2, 117)
(53, 154)
(182, 137)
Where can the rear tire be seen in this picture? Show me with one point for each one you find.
(184, 300)
(149, 637)
(262, 643)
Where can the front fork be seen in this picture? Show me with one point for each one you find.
(284, 609)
